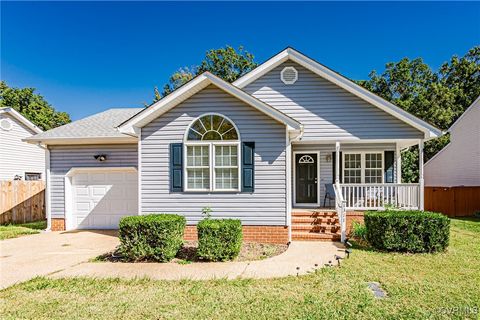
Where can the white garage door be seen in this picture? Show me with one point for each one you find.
(100, 199)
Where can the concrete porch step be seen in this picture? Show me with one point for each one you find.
(306, 236)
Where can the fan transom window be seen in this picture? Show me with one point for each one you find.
(212, 127)
(212, 150)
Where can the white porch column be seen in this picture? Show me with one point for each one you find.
(337, 162)
(398, 154)
(420, 173)
(288, 189)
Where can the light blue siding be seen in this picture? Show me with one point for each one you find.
(327, 111)
(266, 206)
(63, 158)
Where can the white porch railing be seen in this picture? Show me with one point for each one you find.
(377, 196)
(340, 206)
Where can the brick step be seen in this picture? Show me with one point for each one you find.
(318, 228)
(318, 220)
(306, 236)
(314, 214)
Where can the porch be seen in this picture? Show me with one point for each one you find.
(330, 180)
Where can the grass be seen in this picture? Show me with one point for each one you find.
(419, 286)
(17, 230)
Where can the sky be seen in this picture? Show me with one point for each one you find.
(86, 57)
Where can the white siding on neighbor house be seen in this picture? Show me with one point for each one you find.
(17, 156)
(458, 164)
(326, 168)
(327, 111)
(265, 206)
(63, 158)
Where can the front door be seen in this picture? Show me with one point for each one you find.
(306, 178)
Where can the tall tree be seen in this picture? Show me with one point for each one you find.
(226, 63)
(437, 97)
(32, 106)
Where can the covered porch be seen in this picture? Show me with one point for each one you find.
(353, 176)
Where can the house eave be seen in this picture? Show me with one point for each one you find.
(82, 140)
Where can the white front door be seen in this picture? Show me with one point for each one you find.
(101, 199)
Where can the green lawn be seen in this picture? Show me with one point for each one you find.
(435, 286)
(16, 230)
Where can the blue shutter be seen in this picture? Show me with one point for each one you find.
(388, 166)
(248, 166)
(176, 167)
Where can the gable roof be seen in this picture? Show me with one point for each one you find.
(95, 128)
(341, 81)
(21, 119)
(475, 104)
(190, 88)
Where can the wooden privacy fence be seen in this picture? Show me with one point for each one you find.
(453, 201)
(22, 201)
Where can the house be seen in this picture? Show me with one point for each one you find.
(18, 159)
(267, 149)
(458, 164)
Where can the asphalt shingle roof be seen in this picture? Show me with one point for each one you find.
(102, 124)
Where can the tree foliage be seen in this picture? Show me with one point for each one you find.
(32, 106)
(438, 97)
(226, 63)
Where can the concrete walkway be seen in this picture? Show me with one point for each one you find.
(66, 254)
(300, 258)
(41, 254)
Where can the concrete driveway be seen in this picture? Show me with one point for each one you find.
(42, 254)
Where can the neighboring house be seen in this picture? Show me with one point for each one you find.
(284, 137)
(458, 164)
(19, 159)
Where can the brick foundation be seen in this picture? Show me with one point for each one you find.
(351, 217)
(58, 224)
(263, 234)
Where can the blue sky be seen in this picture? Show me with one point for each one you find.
(85, 57)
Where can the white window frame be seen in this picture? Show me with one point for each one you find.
(363, 164)
(211, 160)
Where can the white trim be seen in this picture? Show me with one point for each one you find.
(47, 190)
(200, 82)
(421, 179)
(289, 82)
(68, 187)
(315, 204)
(363, 165)
(75, 141)
(328, 74)
(22, 119)
(139, 176)
(288, 185)
(398, 160)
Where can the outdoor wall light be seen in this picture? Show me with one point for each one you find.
(328, 157)
(100, 157)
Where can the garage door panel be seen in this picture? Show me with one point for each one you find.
(102, 199)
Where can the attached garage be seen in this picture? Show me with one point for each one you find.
(97, 198)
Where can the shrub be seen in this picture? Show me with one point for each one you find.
(219, 239)
(359, 231)
(407, 231)
(156, 237)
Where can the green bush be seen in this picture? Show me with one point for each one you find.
(407, 231)
(154, 237)
(219, 239)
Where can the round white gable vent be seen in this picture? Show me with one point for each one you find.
(289, 75)
(6, 124)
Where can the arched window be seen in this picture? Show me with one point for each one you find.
(212, 154)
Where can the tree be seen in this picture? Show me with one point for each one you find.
(436, 97)
(32, 106)
(226, 63)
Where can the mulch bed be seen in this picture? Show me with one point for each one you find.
(188, 253)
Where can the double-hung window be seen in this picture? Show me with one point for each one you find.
(364, 167)
(212, 155)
